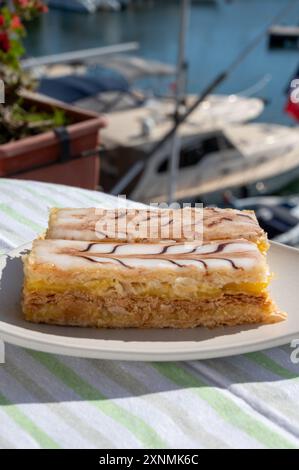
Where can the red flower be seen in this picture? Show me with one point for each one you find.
(16, 22)
(2, 20)
(4, 42)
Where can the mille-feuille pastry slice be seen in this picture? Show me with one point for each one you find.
(149, 225)
(147, 285)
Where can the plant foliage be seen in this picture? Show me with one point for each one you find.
(17, 121)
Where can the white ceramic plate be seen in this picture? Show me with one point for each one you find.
(151, 345)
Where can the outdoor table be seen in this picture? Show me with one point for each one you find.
(50, 401)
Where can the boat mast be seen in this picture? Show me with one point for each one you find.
(180, 99)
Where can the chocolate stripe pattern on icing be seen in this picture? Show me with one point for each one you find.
(237, 254)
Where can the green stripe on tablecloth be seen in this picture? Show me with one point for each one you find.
(73, 420)
(141, 430)
(267, 363)
(225, 407)
(26, 424)
(19, 217)
(176, 413)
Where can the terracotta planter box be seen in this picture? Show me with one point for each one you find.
(67, 156)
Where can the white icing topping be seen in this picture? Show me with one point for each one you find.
(182, 224)
(66, 254)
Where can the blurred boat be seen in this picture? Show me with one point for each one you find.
(279, 216)
(103, 83)
(88, 6)
(81, 6)
(99, 78)
(91, 6)
(259, 157)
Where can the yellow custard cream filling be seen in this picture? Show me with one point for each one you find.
(263, 245)
(183, 288)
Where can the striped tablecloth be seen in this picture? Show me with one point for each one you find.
(49, 401)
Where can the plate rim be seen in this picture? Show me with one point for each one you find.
(129, 351)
